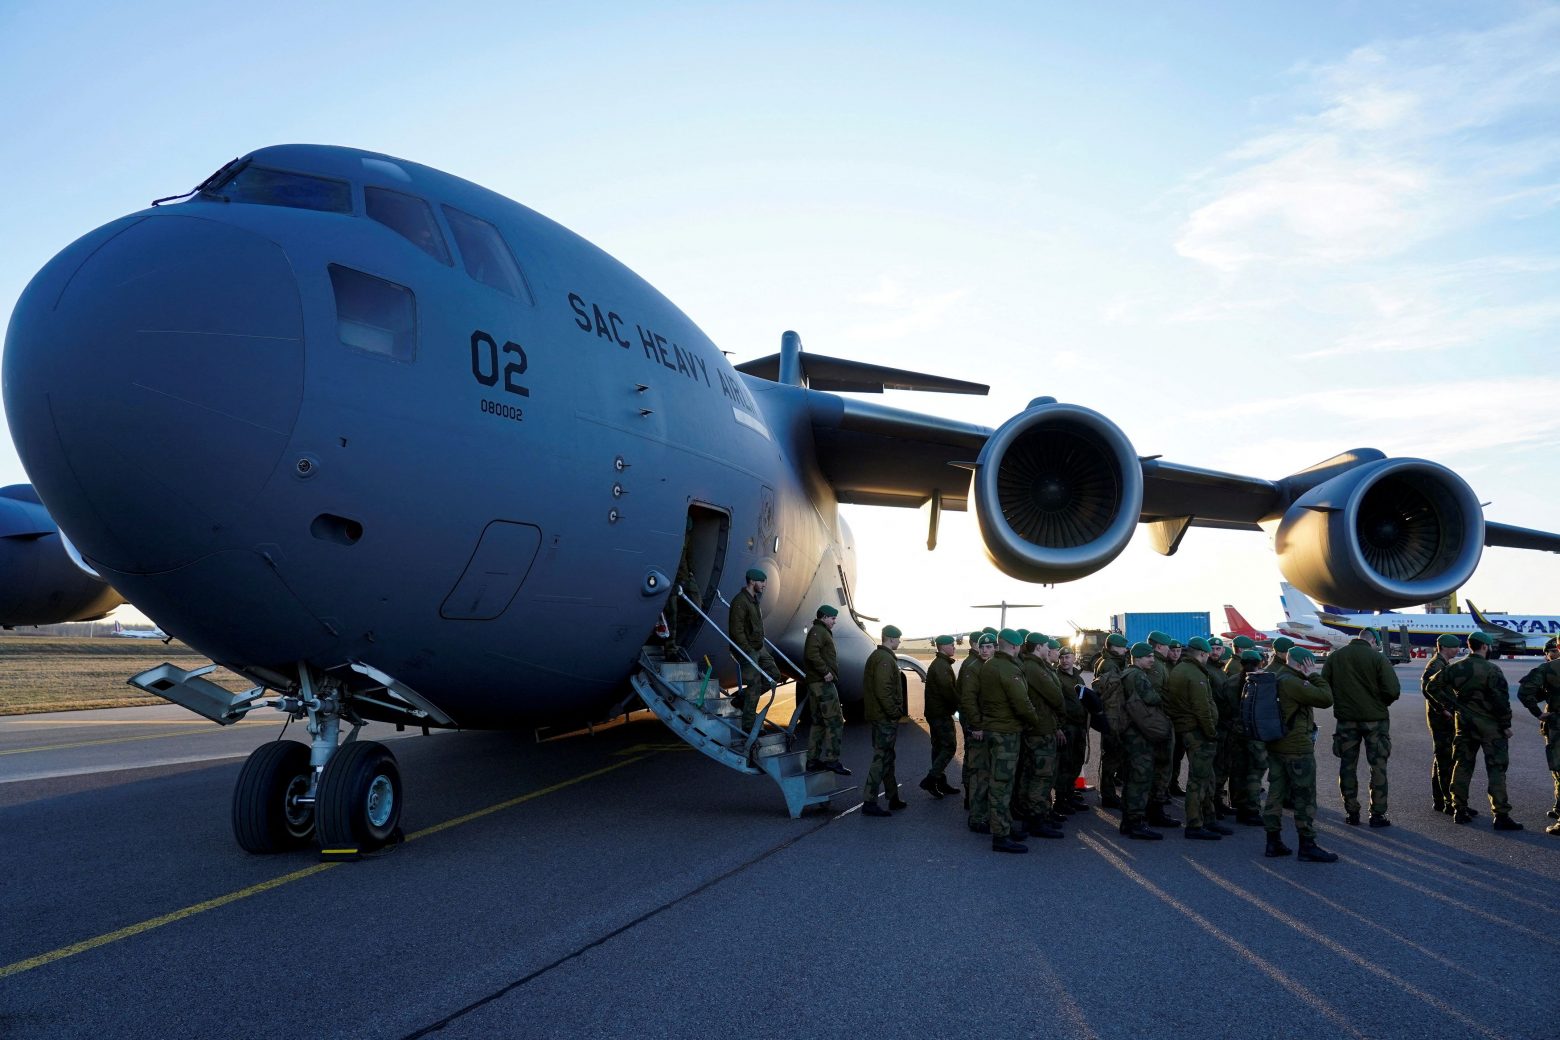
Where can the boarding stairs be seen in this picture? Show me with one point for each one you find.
(690, 701)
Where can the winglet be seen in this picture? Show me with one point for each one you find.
(838, 375)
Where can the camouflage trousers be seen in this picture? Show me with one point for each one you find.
(1256, 771)
(1002, 750)
(1443, 733)
(1550, 731)
(1347, 738)
(977, 777)
(1038, 772)
(1200, 750)
(1139, 754)
(1113, 765)
(880, 775)
(828, 722)
(1159, 790)
(754, 688)
(944, 744)
(1292, 777)
(1069, 760)
(1229, 762)
(1477, 733)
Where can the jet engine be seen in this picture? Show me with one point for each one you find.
(39, 585)
(1057, 492)
(1390, 533)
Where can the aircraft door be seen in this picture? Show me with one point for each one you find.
(699, 570)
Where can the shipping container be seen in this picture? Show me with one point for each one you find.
(1182, 624)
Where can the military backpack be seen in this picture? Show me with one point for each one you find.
(1261, 718)
(1112, 693)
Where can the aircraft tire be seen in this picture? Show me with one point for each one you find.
(360, 797)
(262, 821)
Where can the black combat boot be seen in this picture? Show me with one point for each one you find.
(979, 828)
(896, 803)
(1276, 846)
(1199, 834)
(1138, 831)
(1554, 814)
(1553, 828)
(1353, 819)
(1109, 799)
(815, 766)
(1379, 820)
(1311, 852)
(1007, 845)
(945, 787)
(1504, 822)
(837, 766)
(1462, 816)
(1249, 817)
(929, 785)
(1157, 817)
(1219, 829)
(872, 808)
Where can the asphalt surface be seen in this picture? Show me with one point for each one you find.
(623, 886)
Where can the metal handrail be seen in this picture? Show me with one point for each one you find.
(774, 687)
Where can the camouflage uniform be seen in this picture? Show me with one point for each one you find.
(745, 626)
(942, 700)
(1112, 754)
(1481, 725)
(1227, 708)
(1189, 703)
(1038, 770)
(885, 706)
(1005, 714)
(1138, 748)
(1159, 793)
(681, 619)
(1363, 687)
(1257, 764)
(1443, 731)
(1292, 757)
(823, 696)
(1542, 685)
(977, 767)
(1075, 727)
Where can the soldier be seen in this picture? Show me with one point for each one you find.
(1006, 713)
(942, 700)
(1226, 702)
(1281, 647)
(1443, 726)
(1477, 689)
(1189, 703)
(1138, 683)
(1256, 751)
(977, 771)
(1037, 767)
(1075, 730)
(1542, 685)
(1248, 762)
(1106, 681)
(823, 695)
(745, 626)
(1292, 757)
(681, 618)
(1363, 687)
(1241, 644)
(1159, 794)
(885, 704)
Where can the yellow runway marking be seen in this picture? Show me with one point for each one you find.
(298, 875)
(1272, 971)
(1347, 954)
(124, 722)
(126, 740)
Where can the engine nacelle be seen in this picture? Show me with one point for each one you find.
(39, 585)
(1057, 492)
(1386, 534)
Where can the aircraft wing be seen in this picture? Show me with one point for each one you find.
(1509, 536)
(1503, 636)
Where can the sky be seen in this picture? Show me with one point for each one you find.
(1254, 235)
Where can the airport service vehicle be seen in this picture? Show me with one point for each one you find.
(396, 447)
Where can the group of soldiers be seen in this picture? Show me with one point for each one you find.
(1026, 715)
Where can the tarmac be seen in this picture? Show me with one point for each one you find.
(618, 884)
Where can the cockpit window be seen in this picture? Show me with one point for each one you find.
(374, 315)
(486, 255)
(265, 187)
(409, 217)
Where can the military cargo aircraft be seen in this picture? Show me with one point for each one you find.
(404, 449)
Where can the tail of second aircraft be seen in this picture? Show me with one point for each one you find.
(1297, 605)
(1239, 626)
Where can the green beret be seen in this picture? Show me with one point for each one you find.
(1159, 637)
(1197, 643)
(1481, 638)
(985, 639)
(1300, 653)
(1007, 635)
(1175, 644)
(1251, 656)
(1282, 644)
(754, 574)
(975, 636)
(1244, 643)
(943, 641)
(989, 630)
(1374, 633)
(1551, 644)
(1141, 650)
(1214, 641)
(1034, 639)
(827, 611)
(890, 632)
(1053, 644)
(1448, 640)
(1024, 633)
(1116, 639)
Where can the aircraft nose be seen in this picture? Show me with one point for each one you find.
(153, 373)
